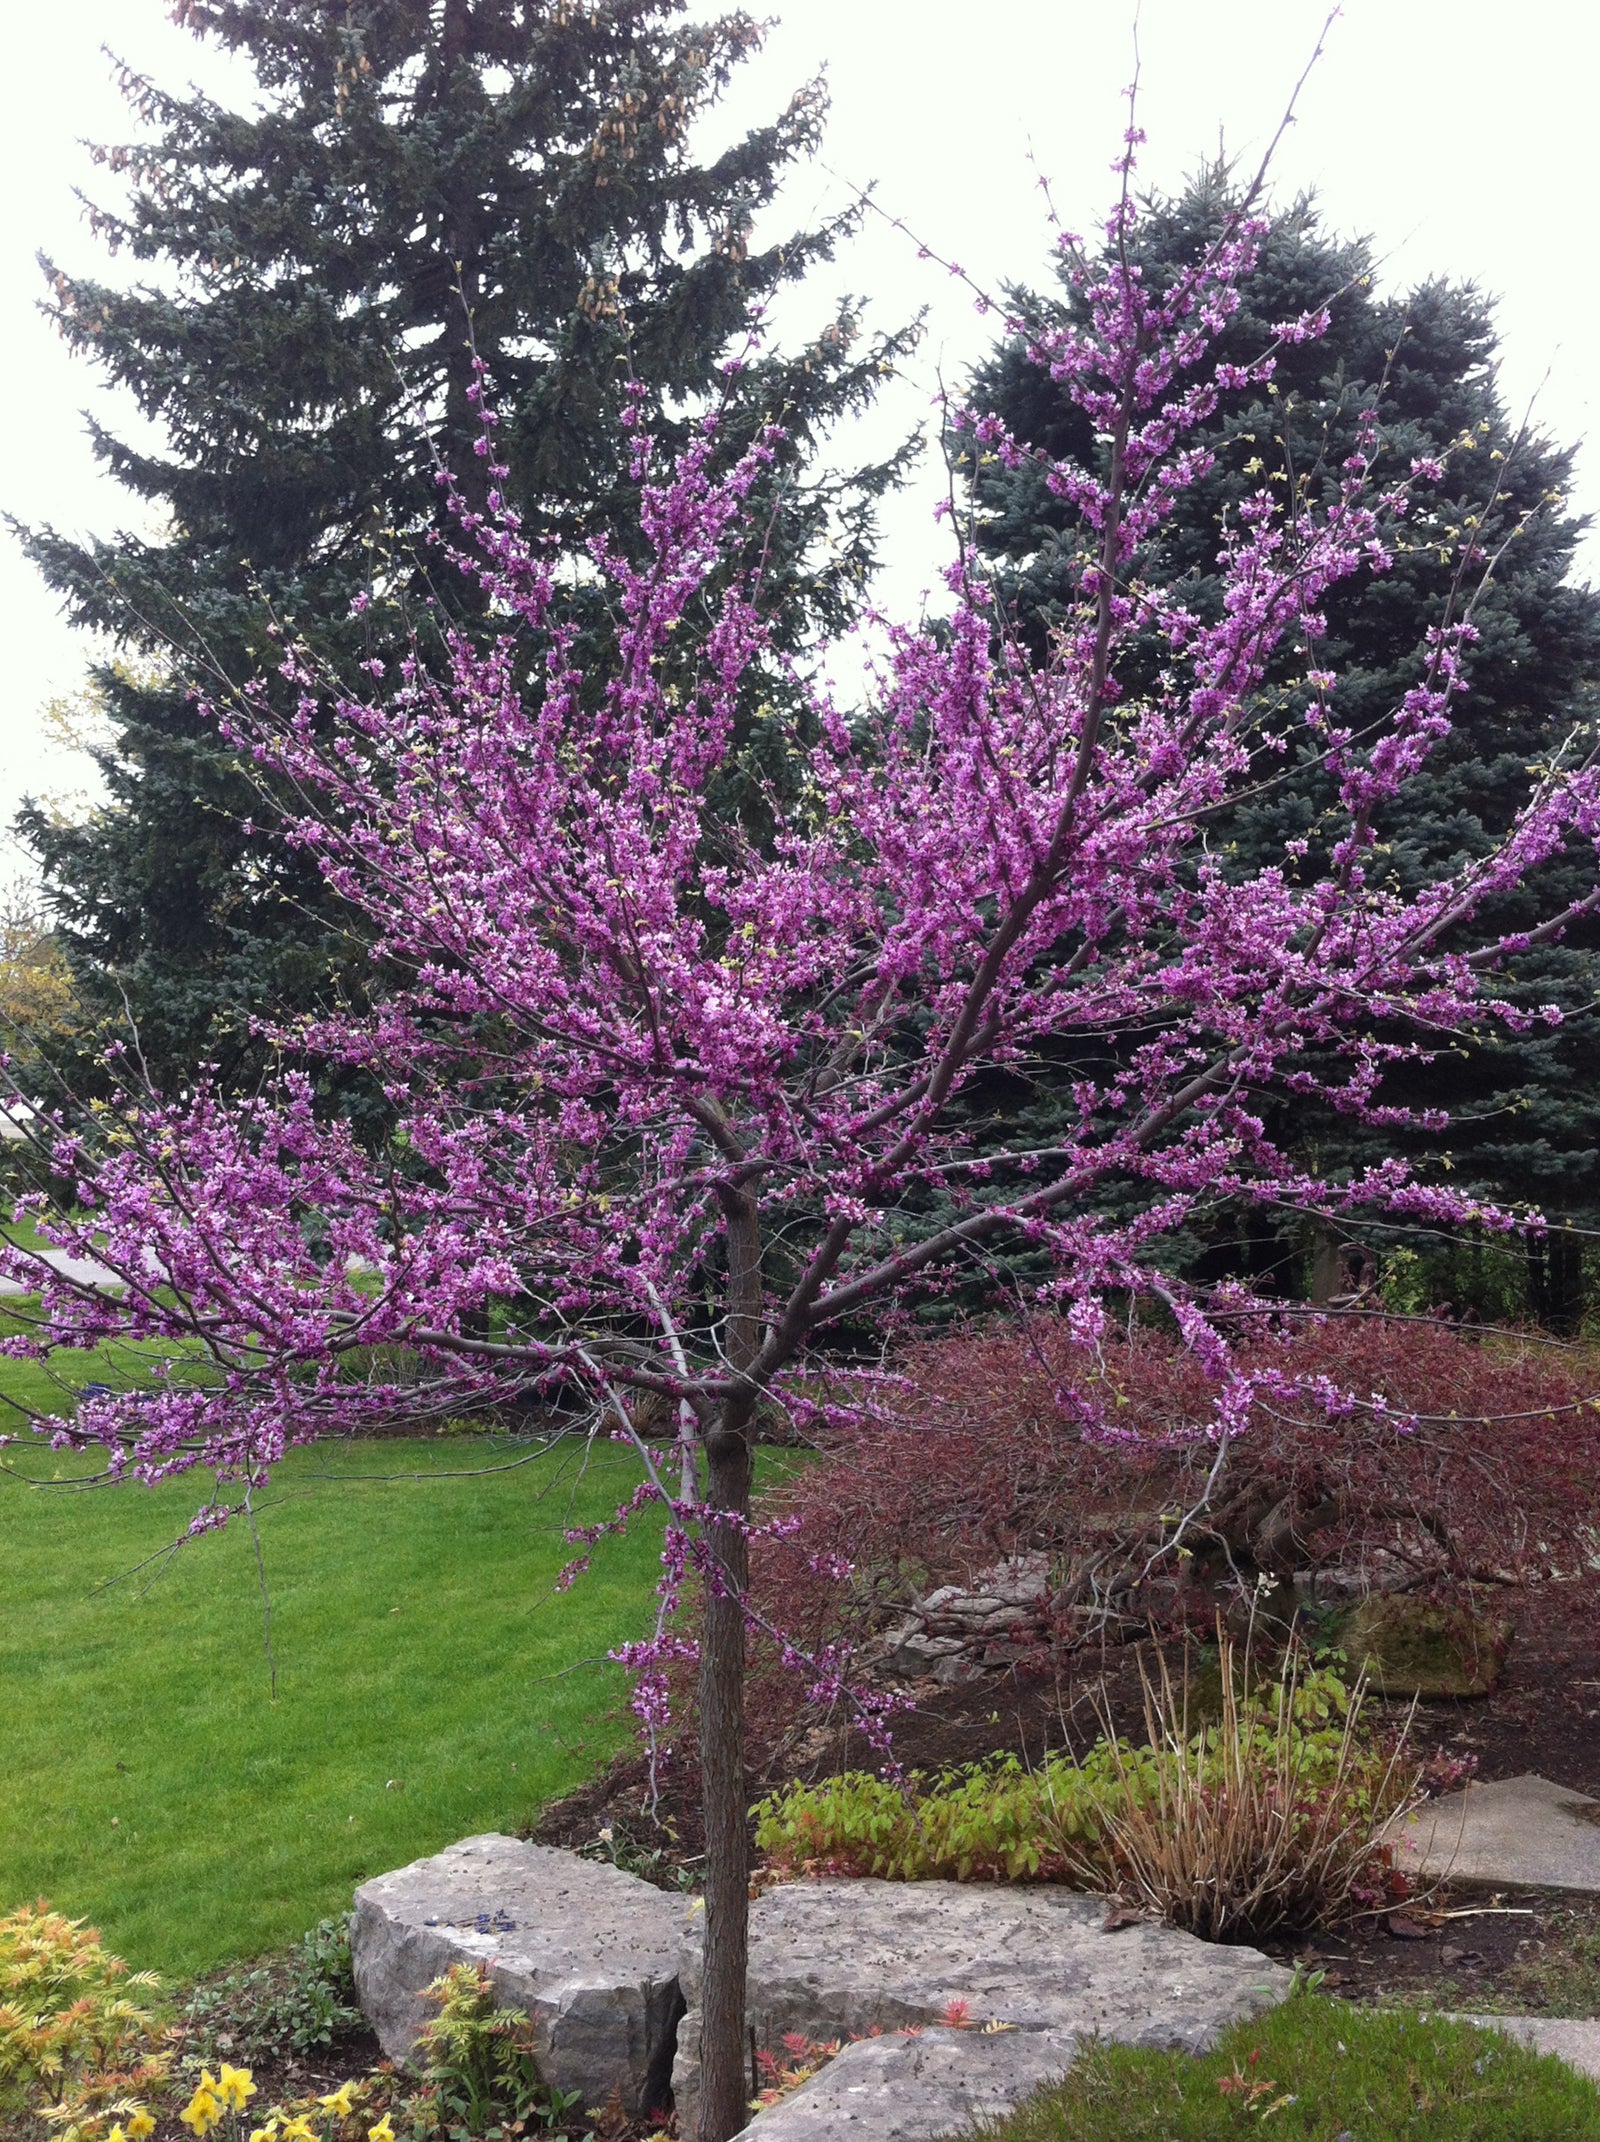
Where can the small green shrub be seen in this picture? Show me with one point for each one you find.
(323, 1984)
(479, 2074)
(298, 2005)
(77, 2054)
(990, 1821)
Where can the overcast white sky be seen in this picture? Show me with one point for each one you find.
(1461, 134)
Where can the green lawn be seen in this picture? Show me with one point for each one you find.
(21, 1230)
(1317, 2070)
(147, 1778)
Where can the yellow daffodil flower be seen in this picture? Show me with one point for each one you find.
(383, 2132)
(298, 2130)
(340, 2101)
(265, 2134)
(116, 2134)
(140, 2125)
(203, 2111)
(235, 2087)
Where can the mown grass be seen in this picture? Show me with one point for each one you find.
(151, 1781)
(22, 1228)
(1317, 2070)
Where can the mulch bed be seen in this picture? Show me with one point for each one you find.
(1544, 1716)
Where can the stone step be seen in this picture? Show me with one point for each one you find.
(1572, 2039)
(917, 2089)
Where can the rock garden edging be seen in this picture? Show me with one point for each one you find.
(604, 1965)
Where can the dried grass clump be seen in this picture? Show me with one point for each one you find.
(1275, 1815)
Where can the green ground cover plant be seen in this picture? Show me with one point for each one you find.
(479, 2081)
(1269, 1814)
(430, 1682)
(296, 2003)
(1317, 2070)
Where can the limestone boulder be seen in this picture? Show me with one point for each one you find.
(910, 1651)
(591, 1954)
(835, 1959)
(956, 1630)
(995, 1597)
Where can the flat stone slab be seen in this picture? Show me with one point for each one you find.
(1514, 1833)
(917, 2089)
(836, 1959)
(589, 1952)
(1575, 2041)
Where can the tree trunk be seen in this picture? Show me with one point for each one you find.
(1325, 1264)
(459, 283)
(724, 2084)
(1567, 1295)
(1556, 1279)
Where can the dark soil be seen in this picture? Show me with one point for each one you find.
(1527, 1951)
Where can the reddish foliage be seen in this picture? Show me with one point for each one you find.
(1493, 1480)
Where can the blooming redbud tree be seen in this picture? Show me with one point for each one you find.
(666, 1098)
